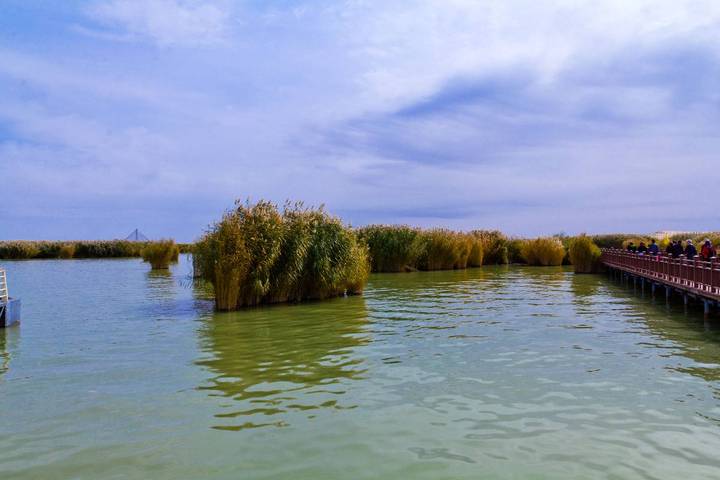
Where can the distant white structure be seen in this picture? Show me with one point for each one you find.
(672, 233)
(137, 236)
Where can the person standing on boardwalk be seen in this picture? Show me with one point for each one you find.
(631, 247)
(690, 250)
(707, 251)
(677, 248)
(653, 249)
(642, 248)
(670, 249)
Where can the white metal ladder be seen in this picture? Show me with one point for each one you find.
(3, 287)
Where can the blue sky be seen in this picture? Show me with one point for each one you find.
(531, 117)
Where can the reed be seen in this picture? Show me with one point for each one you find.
(614, 240)
(584, 254)
(333, 256)
(698, 238)
(513, 248)
(160, 254)
(258, 255)
(543, 251)
(441, 249)
(108, 249)
(29, 249)
(494, 245)
(392, 248)
(222, 260)
(67, 251)
(477, 254)
(19, 250)
(24, 250)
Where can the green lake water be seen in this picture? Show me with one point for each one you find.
(499, 372)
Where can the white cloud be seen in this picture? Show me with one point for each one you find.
(166, 22)
(411, 47)
(520, 110)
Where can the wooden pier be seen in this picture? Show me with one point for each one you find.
(691, 278)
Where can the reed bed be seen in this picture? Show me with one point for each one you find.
(66, 251)
(401, 248)
(160, 254)
(584, 254)
(494, 245)
(543, 251)
(614, 240)
(258, 254)
(698, 238)
(442, 249)
(25, 249)
(392, 248)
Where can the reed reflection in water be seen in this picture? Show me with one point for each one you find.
(271, 361)
(497, 372)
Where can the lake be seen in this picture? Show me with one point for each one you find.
(498, 372)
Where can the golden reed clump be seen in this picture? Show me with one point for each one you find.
(402, 248)
(160, 254)
(584, 254)
(543, 251)
(258, 254)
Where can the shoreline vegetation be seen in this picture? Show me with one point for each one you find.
(260, 254)
(79, 249)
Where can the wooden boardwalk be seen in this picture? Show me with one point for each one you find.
(693, 278)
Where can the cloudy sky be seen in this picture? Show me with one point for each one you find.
(534, 117)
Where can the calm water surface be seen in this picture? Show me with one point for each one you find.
(514, 372)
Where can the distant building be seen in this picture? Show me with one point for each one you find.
(672, 233)
(137, 236)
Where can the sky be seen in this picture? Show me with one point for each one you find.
(532, 117)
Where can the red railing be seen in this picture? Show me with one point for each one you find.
(691, 274)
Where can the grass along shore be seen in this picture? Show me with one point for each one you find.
(47, 249)
(261, 254)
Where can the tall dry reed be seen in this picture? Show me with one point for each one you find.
(31, 249)
(543, 251)
(584, 254)
(160, 254)
(392, 248)
(257, 255)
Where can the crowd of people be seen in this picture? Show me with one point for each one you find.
(675, 249)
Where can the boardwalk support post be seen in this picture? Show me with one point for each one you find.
(707, 307)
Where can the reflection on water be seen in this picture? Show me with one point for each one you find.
(161, 285)
(498, 372)
(274, 360)
(4, 355)
(9, 338)
(677, 332)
